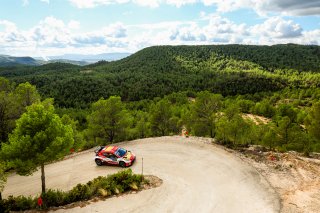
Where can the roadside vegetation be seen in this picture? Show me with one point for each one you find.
(102, 187)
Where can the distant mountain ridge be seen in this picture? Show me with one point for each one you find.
(91, 58)
(76, 59)
(6, 60)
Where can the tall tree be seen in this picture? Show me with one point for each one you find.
(13, 103)
(108, 120)
(25, 95)
(237, 130)
(5, 85)
(6, 115)
(6, 103)
(160, 117)
(77, 136)
(39, 137)
(313, 121)
(269, 137)
(3, 178)
(204, 113)
(283, 130)
(142, 126)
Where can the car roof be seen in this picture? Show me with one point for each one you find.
(110, 149)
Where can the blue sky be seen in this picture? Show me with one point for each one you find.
(56, 27)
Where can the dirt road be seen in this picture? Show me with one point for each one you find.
(197, 177)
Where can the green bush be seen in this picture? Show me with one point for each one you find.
(78, 193)
(101, 186)
(19, 203)
(116, 183)
(54, 198)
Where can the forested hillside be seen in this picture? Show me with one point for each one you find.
(6, 60)
(161, 70)
(212, 91)
(281, 56)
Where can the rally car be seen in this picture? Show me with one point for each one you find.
(114, 155)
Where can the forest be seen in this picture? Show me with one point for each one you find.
(237, 94)
(161, 70)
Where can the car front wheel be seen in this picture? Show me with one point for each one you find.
(122, 164)
(98, 162)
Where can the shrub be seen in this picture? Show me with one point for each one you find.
(19, 203)
(101, 186)
(54, 198)
(103, 192)
(78, 193)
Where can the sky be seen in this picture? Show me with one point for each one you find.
(44, 28)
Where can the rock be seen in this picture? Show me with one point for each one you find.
(257, 148)
(315, 155)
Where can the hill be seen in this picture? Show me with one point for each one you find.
(91, 58)
(76, 59)
(6, 60)
(281, 56)
(161, 70)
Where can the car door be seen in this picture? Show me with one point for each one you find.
(107, 158)
(113, 159)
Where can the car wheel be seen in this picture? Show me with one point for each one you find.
(122, 164)
(98, 162)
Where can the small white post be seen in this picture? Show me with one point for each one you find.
(142, 169)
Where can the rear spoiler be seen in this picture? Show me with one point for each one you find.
(98, 149)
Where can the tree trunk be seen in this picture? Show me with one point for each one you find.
(212, 133)
(43, 179)
(111, 136)
(0, 196)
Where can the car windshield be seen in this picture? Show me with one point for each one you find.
(121, 152)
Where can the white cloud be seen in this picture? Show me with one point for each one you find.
(292, 7)
(311, 37)
(179, 3)
(262, 7)
(95, 3)
(52, 36)
(191, 33)
(227, 5)
(216, 30)
(113, 36)
(27, 2)
(116, 30)
(147, 3)
(8, 26)
(220, 25)
(277, 27)
(51, 32)
(10, 33)
(74, 24)
(89, 39)
(144, 3)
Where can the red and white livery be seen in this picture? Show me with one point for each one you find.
(114, 155)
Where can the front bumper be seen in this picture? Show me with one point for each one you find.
(131, 162)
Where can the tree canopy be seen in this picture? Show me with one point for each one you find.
(39, 137)
(108, 120)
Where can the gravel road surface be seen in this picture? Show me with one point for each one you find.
(197, 177)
